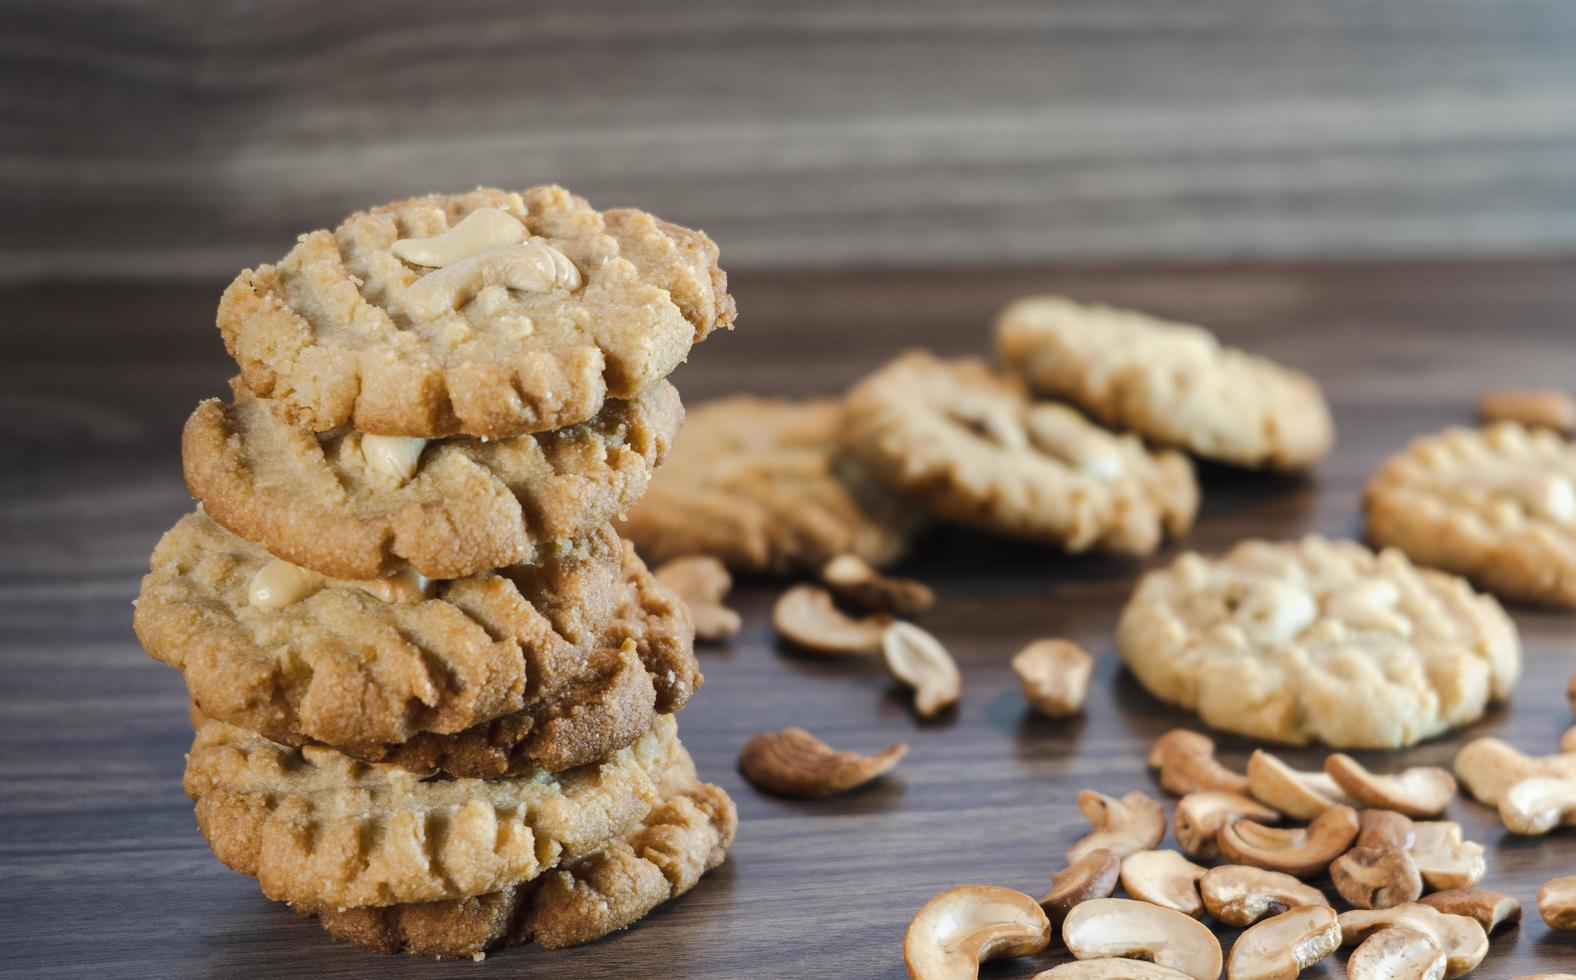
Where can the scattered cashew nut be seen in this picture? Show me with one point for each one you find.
(1201, 816)
(1126, 826)
(792, 762)
(1418, 792)
(806, 617)
(1298, 795)
(1557, 903)
(1443, 858)
(1164, 878)
(1186, 761)
(953, 933)
(1538, 805)
(1281, 947)
(1092, 876)
(919, 660)
(702, 581)
(1385, 828)
(1054, 675)
(1299, 851)
(1487, 767)
(1376, 877)
(1463, 940)
(1239, 895)
(852, 580)
(1123, 927)
(1491, 909)
(1397, 953)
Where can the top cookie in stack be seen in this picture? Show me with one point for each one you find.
(402, 611)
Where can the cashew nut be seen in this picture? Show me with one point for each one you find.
(1126, 826)
(1123, 927)
(919, 660)
(1385, 828)
(480, 231)
(1488, 767)
(279, 584)
(1186, 761)
(1200, 817)
(1054, 675)
(1298, 795)
(393, 456)
(1110, 968)
(1463, 940)
(1538, 805)
(953, 933)
(531, 267)
(1542, 408)
(792, 762)
(1397, 953)
(1164, 878)
(1239, 895)
(1376, 877)
(702, 581)
(805, 617)
(1491, 909)
(1443, 858)
(1418, 792)
(1299, 851)
(1092, 876)
(1279, 948)
(1557, 903)
(853, 581)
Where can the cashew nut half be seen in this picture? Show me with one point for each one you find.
(1298, 795)
(480, 231)
(919, 660)
(1397, 953)
(1538, 805)
(1164, 878)
(1279, 948)
(1201, 816)
(1123, 927)
(1092, 876)
(1299, 851)
(1133, 823)
(805, 617)
(953, 933)
(1443, 858)
(1491, 909)
(1418, 792)
(1186, 761)
(1054, 675)
(1463, 940)
(1557, 903)
(1110, 968)
(533, 267)
(1376, 877)
(852, 580)
(792, 762)
(1239, 895)
(1488, 767)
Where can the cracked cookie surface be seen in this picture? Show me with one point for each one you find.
(1173, 383)
(346, 668)
(321, 830)
(1319, 640)
(765, 486)
(1496, 504)
(459, 507)
(684, 836)
(971, 447)
(356, 327)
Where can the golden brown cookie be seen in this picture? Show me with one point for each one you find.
(1173, 383)
(765, 486)
(489, 313)
(356, 506)
(1497, 505)
(682, 838)
(342, 665)
(969, 445)
(1319, 640)
(321, 830)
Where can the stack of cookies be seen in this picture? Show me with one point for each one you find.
(433, 688)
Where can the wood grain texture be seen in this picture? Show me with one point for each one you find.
(188, 138)
(105, 874)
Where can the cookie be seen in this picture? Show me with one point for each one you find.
(1319, 640)
(1171, 383)
(321, 830)
(1497, 505)
(970, 446)
(483, 314)
(354, 506)
(765, 486)
(348, 667)
(682, 838)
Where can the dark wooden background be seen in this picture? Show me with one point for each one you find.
(103, 873)
(185, 138)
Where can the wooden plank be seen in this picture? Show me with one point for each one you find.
(178, 138)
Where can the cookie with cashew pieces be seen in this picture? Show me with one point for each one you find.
(1172, 383)
(766, 486)
(352, 505)
(684, 836)
(970, 446)
(1496, 504)
(490, 313)
(1319, 640)
(320, 830)
(363, 665)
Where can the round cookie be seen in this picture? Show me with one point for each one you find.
(765, 486)
(321, 830)
(1169, 382)
(1319, 640)
(1497, 505)
(682, 838)
(484, 314)
(371, 664)
(970, 446)
(355, 506)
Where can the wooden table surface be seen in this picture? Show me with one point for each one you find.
(104, 872)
